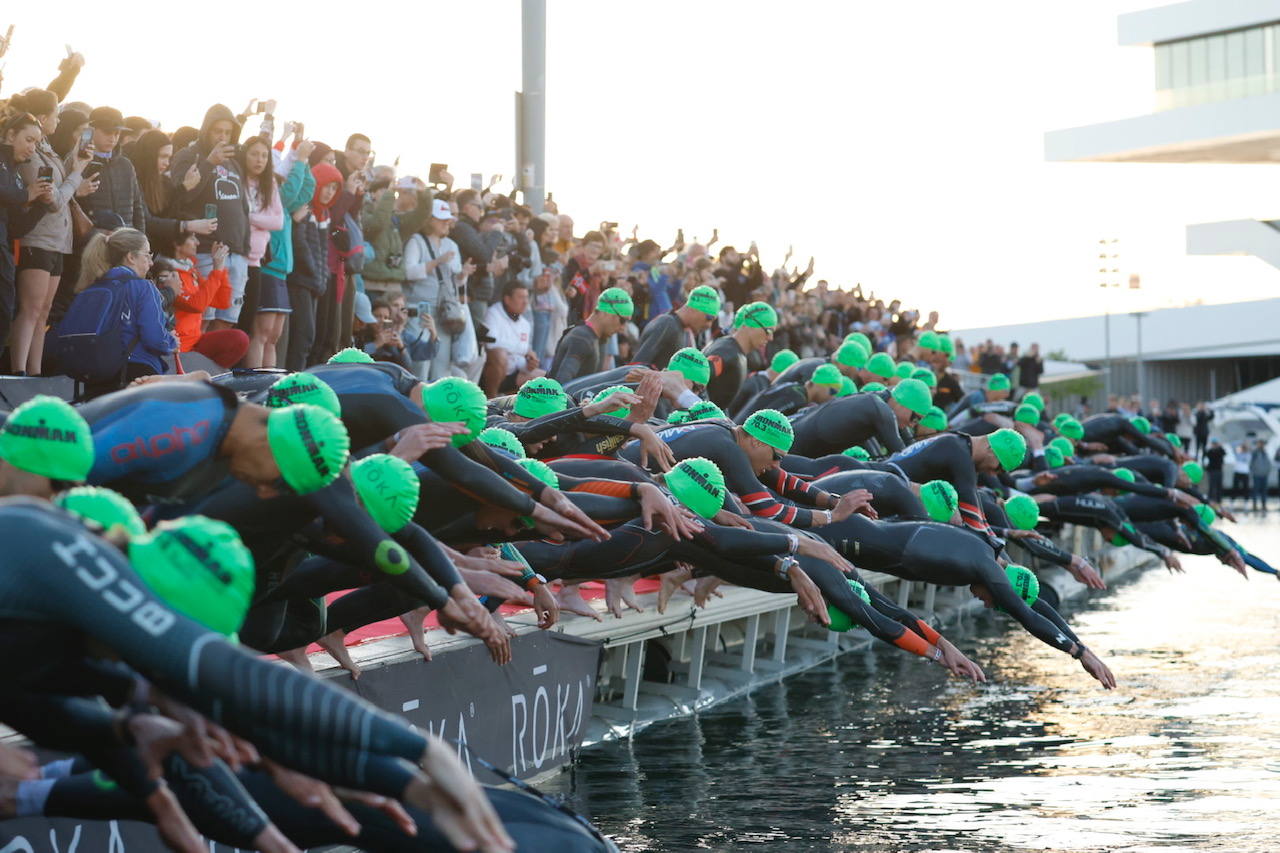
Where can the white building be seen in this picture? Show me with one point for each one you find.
(1217, 100)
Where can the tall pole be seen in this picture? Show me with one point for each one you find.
(1106, 330)
(531, 144)
(1142, 371)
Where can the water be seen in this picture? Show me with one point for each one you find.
(879, 751)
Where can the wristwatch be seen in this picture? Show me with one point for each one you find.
(784, 566)
(530, 579)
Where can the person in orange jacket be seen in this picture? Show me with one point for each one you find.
(193, 295)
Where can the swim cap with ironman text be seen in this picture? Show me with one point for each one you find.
(1053, 457)
(388, 488)
(934, 419)
(913, 395)
(1071, 428)
(926, 376)
(538, 397)
(757, 315)
(503, 439)
(872, 388)
(303, 388)
(456, 400)
(771, 427)
(200, 568)
(1024, 583)
(705, 299)
(46, 437)
(605, 393)
(309, 445)
(705, 410)
(351, 355)
(940, 499)
(691, 364)
(105, 507)
(1027, 414)
(697, 483)
(617, 301)
(998, 382)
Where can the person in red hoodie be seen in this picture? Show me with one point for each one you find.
(310, 276)
(193, 294)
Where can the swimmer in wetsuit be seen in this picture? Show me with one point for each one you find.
(753, 327)
(861, 419)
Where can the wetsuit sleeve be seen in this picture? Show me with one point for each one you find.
(424, 549)
(663, 337)
(1046, 610)
(1004, 597)
(760, 501)
(477, 480)
(1043, 548)
(739, 542)
(793, 488)
(886, 429)
(547, 426)
(611, 488)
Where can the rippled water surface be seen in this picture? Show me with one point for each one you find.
(879, 751)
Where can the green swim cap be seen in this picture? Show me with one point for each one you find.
(1059, 419)
(1033, 398)
(1026, 414)
(454, 399)
(857, 453)
(1072, 429)
(605, 393)
(947, 345)
(998, 382)
(1024, 583)
(200, 568)
(926, 376)
(827, 374)
(1174, 439)
(1119, 539)
(940, 499)
(615, 300)
(1023, 512)
(759, 315)
(881, 364)
(698, 484)
(309, 444)
(303, 388)
(1125, 474)
(840, 621)
(679, 416)
(1141, 424)
(929, 340)
(934, 419)
(847, 388)
(388, 488)
(538, 397)
(771, 427)
(1064, 445)
(1194, 471)
(705, 299)
(692, 365)
(46, 437)
(1206, 513)
(913, 395)
(705, 410)
(503, 439)
(872, 387)
(783, 359)
(1053, 457)
(351, 355)
(904, 369)
(1010, 448)
(852, 354)
(104, 506)
(541, 470)
(860, 338)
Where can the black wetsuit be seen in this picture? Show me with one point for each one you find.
(55, 572)
(751, 386)
(891, 493)
(661, 338)
(1037, 546)
(786, 397)
(947, 456)
(1120, 436)
(1078, 479)
(577, 354)
(802, 371)
(728, 369)
(1101, 514)
(839, 424)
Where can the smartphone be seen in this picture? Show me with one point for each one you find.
(477, 181)
(86, 136)
(93, 169)
(44, 173)
(210, 211)
(261, 107)
(433, 176)
(610, 266)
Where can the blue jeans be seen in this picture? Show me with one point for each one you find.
(237, 274)
(541, 331)
(1259, 494)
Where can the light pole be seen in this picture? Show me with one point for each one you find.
(531, 112)
(1142, 372)
(1107, 279)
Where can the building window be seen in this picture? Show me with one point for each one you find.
(1218, 67)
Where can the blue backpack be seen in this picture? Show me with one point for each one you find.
(89, 342)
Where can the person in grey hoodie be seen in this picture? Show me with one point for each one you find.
(220, 190)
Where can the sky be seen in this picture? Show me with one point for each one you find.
(900, 144)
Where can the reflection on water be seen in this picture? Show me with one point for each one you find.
(878, 751)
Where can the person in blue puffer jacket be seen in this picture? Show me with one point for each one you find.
(123, 259)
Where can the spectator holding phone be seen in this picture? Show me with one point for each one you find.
(196, 293)
(218, 195)
(266, 214)
(151, 156)
(472, 247)
(297, 186)
(21, 204)
(310, 276)
(118, 197)
(432, 262)
(45, 246)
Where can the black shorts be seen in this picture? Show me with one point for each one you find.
(31, 258)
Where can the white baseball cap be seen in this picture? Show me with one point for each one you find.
(440, 209)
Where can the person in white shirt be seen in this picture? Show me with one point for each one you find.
(432, 265)
(509, 359)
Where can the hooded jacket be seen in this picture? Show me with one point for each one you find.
(298, 187)
(118, 193)
(221, 185)
(311, 236)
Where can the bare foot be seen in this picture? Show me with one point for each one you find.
(672, 581)
(413, 621)
(617, 592)
(297, 658)
(705, 588)
(337, 649)
(570, 599)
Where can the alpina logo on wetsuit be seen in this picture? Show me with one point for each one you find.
(42, 432)
(309, 442)
(160, 444)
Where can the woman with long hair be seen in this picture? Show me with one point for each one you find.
(122, 260)
(264, 297)
(150, 156)
(44, 248)
(20, 202)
